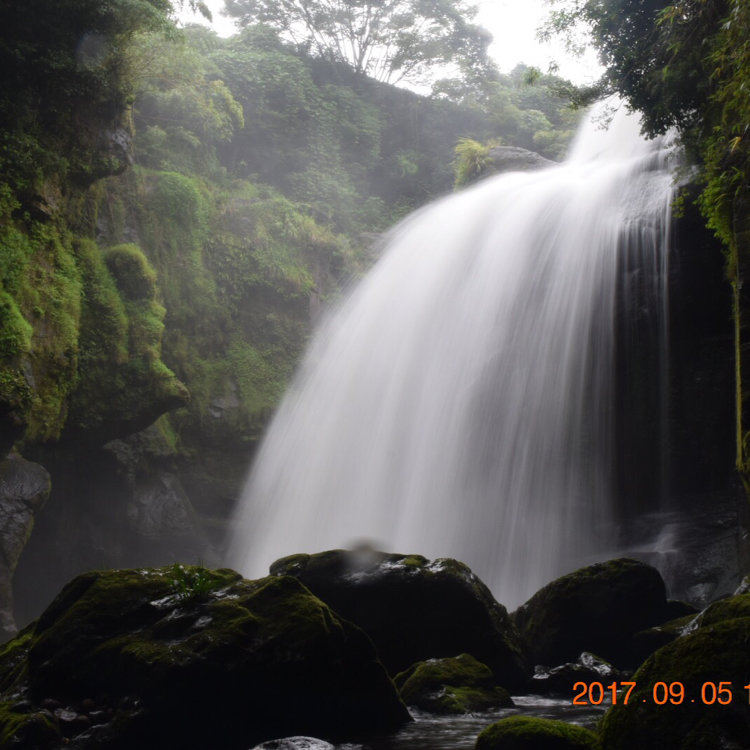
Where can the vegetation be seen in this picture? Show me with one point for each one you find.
(685, 65)
(453, 685)
(531, 733)
(400, 39)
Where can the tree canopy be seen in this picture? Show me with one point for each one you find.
(389, 40)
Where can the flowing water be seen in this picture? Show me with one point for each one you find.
(458, 402)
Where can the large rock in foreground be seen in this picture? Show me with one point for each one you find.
(597, 609)
(186, 657)
(689, 694)
(413, 608)
(529, 733)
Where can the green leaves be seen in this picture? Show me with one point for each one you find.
(389, 40)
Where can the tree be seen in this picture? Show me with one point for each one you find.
(685, 64)
(654, 52)
(389, 40)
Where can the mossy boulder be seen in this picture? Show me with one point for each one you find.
(454, 685)
(712, 664)
(193, 658)
(598, 609)
(587, 668)
(530, 733)
(651, 639)
(725, 609)
(413, 608)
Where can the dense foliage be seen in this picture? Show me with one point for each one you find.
(388, 41)
(176, 208)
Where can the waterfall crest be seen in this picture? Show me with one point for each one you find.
(458, 402)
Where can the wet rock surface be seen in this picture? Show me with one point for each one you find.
(451, 686)
(587, 668)
(188, 657)
(598, 609)
(515, 159)
(295, 743)
(413, 608)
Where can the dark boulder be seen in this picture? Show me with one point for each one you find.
(413, 608)
(598, 609)
(647, 641)
(587, 668)
(529, 733)
(455, 685)
(725, 609)
(192, 658)
(690, 694)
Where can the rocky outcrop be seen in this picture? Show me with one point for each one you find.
(24, 487)
(455, 685)
(413, 608)
(189, 657)
(689, 694)
(117, 507)
(598, 609)
(514, 159)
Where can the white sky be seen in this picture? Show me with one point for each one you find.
(513, 24)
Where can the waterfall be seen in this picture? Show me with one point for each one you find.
(458, 402)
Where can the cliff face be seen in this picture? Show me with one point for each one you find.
(163, 258)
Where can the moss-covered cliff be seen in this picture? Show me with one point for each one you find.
(175, 212)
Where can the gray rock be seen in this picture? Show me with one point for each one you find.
(515, 159)
(24, 487)
(295, 743)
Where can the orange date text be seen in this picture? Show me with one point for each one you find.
(660, 693)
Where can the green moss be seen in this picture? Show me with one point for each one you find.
(13, 658)
(452, 685)
(22, 729)
(529, 733)
(15, 331)
(712, 654)
(598, 608)
(134, 276)
(123, 384)
(49, 297)
(725, 609)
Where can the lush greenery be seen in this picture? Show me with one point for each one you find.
(388, 41)
(259, 173)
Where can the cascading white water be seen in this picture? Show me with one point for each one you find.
(458, 403)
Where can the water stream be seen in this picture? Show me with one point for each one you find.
(458, 402)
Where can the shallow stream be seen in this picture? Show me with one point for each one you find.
(432, 732)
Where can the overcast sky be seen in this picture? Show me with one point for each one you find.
(513, 24)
